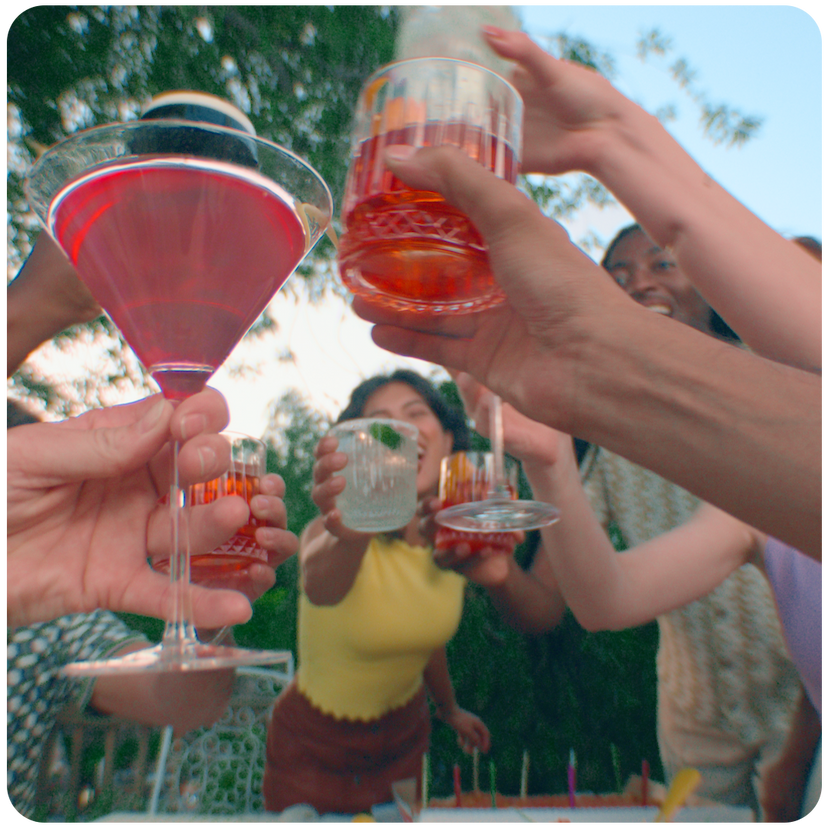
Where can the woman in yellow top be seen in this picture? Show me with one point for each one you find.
(375, 613)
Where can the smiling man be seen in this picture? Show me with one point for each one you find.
(651, 276)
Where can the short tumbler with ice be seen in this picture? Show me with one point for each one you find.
(381, 476)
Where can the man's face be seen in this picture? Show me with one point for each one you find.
(652, 278)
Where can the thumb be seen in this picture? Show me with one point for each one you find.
(117, 442)
(493, 204)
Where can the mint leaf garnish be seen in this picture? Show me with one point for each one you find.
(386, 435)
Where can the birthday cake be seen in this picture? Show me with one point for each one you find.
(482, 799)
(624, 806)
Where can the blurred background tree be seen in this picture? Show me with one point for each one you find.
(296, 71)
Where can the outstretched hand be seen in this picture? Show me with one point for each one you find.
(525, 439)
(84, 509)
(568, 108)
(328, 485)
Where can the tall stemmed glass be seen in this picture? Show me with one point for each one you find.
(411, 251)
(183, 232)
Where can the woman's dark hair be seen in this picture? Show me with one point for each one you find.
(452, 419)
(812, 245)
(717, 325)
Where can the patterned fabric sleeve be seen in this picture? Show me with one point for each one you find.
(594, 482)
(36, 689)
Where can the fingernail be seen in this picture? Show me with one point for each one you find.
(193, 424)
(207, 458)
(492, 31)
(153, 415)
(400, 152)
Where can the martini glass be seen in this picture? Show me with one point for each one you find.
(183, 232)
(409, 250)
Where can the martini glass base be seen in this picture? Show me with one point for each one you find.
(498, 515)
(171, 660)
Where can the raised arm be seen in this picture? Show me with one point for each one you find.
(45, 298)
(578, 563)
(767, 288)
(569, 349)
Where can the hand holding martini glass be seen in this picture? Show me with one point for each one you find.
(183, 226)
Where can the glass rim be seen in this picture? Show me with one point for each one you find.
(507, 458)
(388, 67)
(241, 435)
(164, 123)
(364, 422)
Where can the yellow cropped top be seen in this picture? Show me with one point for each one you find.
(365, 656)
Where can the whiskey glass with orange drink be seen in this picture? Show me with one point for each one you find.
(183, 225)
(248, 457)
(411, 251)
(468, 477)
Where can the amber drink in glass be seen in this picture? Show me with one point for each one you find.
(408, 249)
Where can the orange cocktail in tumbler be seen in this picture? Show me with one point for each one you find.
(466, 477)
(408, 249)
(247, 466)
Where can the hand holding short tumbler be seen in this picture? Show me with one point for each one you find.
(380, 492)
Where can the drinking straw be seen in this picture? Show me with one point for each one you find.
(493, 782)
(645, 775)
(476, 770)
(424, 787)
(524, 775)
(458, 791)
(616, 766)
(570, 778)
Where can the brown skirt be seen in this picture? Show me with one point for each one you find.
(337, 765)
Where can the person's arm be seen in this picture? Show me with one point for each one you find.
(782, 784)
(570, 350)
(529, 601)
(329, 563)
(183, 700)
(605, 589)
(471, 731)
(767, 288)
(45, 298)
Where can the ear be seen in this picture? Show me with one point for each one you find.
(448, 442)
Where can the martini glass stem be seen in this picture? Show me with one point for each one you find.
(179, 633)
(501, 488)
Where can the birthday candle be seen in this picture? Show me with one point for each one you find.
(458, 791)
(645, 776)
(493, 782)
(524, 775)
(570, 778)
(476, 770)
(425, 781)
(616, 767)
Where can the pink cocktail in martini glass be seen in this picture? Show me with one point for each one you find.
(183, 231)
